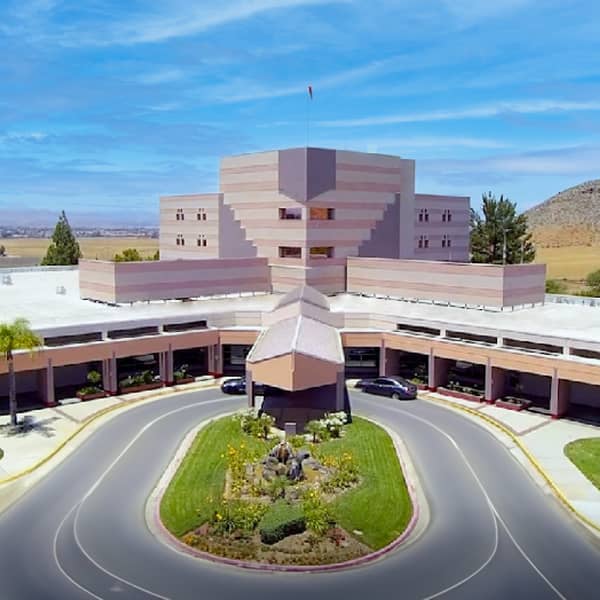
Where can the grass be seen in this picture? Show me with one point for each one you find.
(102, 248)
(198, 485)
(379, 507)
(1, 453)
(585, 454)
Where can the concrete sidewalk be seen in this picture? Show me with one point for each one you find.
(48, 429)
(544, 439)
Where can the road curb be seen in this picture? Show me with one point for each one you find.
(158, 529)
(172, 391)
(594, 527)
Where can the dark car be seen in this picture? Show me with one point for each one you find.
(237, 385)
(395, 387)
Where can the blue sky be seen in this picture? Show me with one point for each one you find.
(105, 105)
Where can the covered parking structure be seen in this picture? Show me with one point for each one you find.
(300, 360)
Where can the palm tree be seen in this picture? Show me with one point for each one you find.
(14, 336)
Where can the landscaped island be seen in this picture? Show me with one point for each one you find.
(245, 492)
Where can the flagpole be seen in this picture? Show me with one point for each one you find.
(309, 97)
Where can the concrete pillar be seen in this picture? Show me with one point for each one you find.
(340, 388)
(215, 360)
(383, 359)
(165, 366)
(109, 375)
(494, 383)
(437, 371)
(250, 389)
(46, 384)
(559, 396)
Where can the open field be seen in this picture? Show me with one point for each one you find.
(572, 263)
(103, 248)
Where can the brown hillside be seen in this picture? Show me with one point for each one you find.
(570, 218)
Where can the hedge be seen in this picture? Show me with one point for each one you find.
(282, 519)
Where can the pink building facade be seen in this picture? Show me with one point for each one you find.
(306, 210)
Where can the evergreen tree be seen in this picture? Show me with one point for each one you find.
(499, 235)
(64, 249)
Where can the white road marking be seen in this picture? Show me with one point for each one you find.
(490, 504)
(79, 504)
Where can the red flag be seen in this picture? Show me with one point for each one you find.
(310, 91)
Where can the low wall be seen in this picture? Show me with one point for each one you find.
(495, 286)
(169, 279)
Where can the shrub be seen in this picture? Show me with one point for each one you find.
(593, 280)
(94, 378)
(280, 520)
(238, 516)
(317, 514)
(297, 441)
(334, 422)
(555, 286)
(180, 373)
(317, 429)
(254, 424)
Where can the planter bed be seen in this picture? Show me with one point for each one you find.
(461, 395)
(93, 396)
(140, 388)
(422, 386)
(184, 380)
(518, 405)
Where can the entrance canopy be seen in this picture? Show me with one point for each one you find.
(300, 349)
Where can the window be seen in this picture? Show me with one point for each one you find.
(290, 213)
(201, 214)
(321, 214)
(180, 241)
(423, 241)
(446, 216)
(201, 241)
(426, 243)
(423, 215)
(179, 216)
(321, 252)
(446, 242)
(290, 252)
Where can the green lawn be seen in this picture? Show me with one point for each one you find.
(380, 506)
(585, 454)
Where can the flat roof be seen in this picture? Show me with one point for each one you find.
(33, 295)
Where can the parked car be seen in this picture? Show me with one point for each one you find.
(237, 385)
(395, 387)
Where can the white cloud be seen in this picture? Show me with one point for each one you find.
(476, 112)
(185, 20)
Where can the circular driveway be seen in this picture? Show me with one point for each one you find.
(493, 533)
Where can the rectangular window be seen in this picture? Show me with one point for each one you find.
(420, 242)
(449, 243)
(449, 217)
(321, 214)
(201, 214)
(443, 243)
(444, 216)
(426, 243)
(321, 252)
(290, 213)
(290, 252)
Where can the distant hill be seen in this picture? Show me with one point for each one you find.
(570, 218)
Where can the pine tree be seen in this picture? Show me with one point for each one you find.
(64, 249)
(499, 235)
